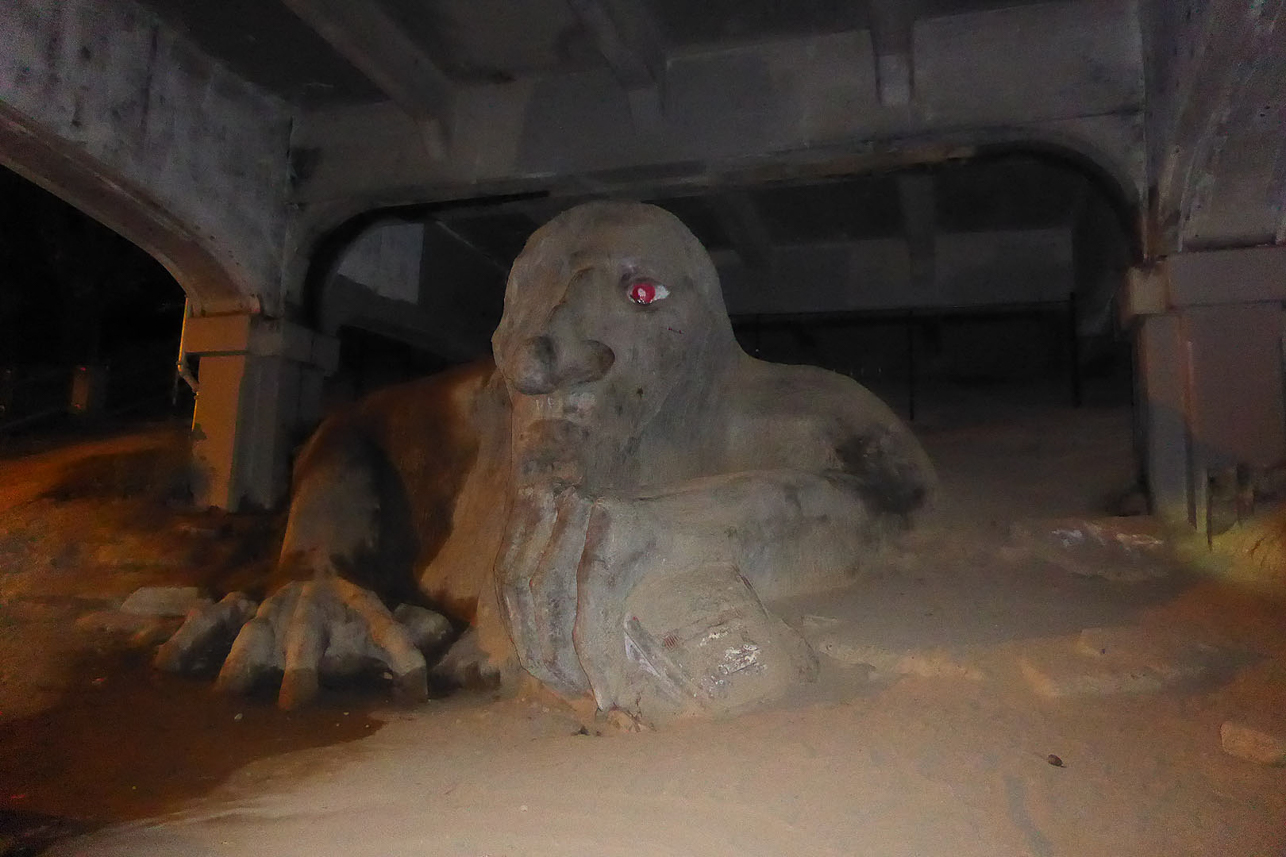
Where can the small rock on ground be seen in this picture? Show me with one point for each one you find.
(1170, 653)
(1253, 744)
(926, 663)
(1129, 660)
(162, 601)
(143, 631)
(844, 643)
(1056, 675)
(115, 622)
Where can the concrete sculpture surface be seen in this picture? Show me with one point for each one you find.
(608, 508)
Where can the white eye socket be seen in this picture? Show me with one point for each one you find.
(645, 292)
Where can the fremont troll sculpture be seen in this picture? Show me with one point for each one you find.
(608, 507)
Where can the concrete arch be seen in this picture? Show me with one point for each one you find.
(1117, 170)
(395, 273)
(1116, 185)
(119, 114)
(64, 170)
(1100, 148)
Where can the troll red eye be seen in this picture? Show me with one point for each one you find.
(645, 292)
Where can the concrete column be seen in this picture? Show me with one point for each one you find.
(1235, 413)
(1208, 331)
(258, 391)
(1162, 363)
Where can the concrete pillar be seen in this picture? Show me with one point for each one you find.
(1209, 332)
(1162, 365)
(258, 391)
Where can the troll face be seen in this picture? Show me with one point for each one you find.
(613, 332)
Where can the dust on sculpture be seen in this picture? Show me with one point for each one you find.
(608, 508)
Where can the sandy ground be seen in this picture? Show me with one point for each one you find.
(936, 726)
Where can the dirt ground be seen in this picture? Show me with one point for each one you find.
(1023, 676)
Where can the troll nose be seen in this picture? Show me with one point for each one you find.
(544, 365)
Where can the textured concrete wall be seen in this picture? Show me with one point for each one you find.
(386, 259)
(1063, 72)
(161, 127)
(1236, 384)
(417, 283)
(1216, 122)
(970, 269)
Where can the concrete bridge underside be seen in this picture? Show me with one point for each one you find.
(234, 150)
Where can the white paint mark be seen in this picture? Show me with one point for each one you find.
(740, 658)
